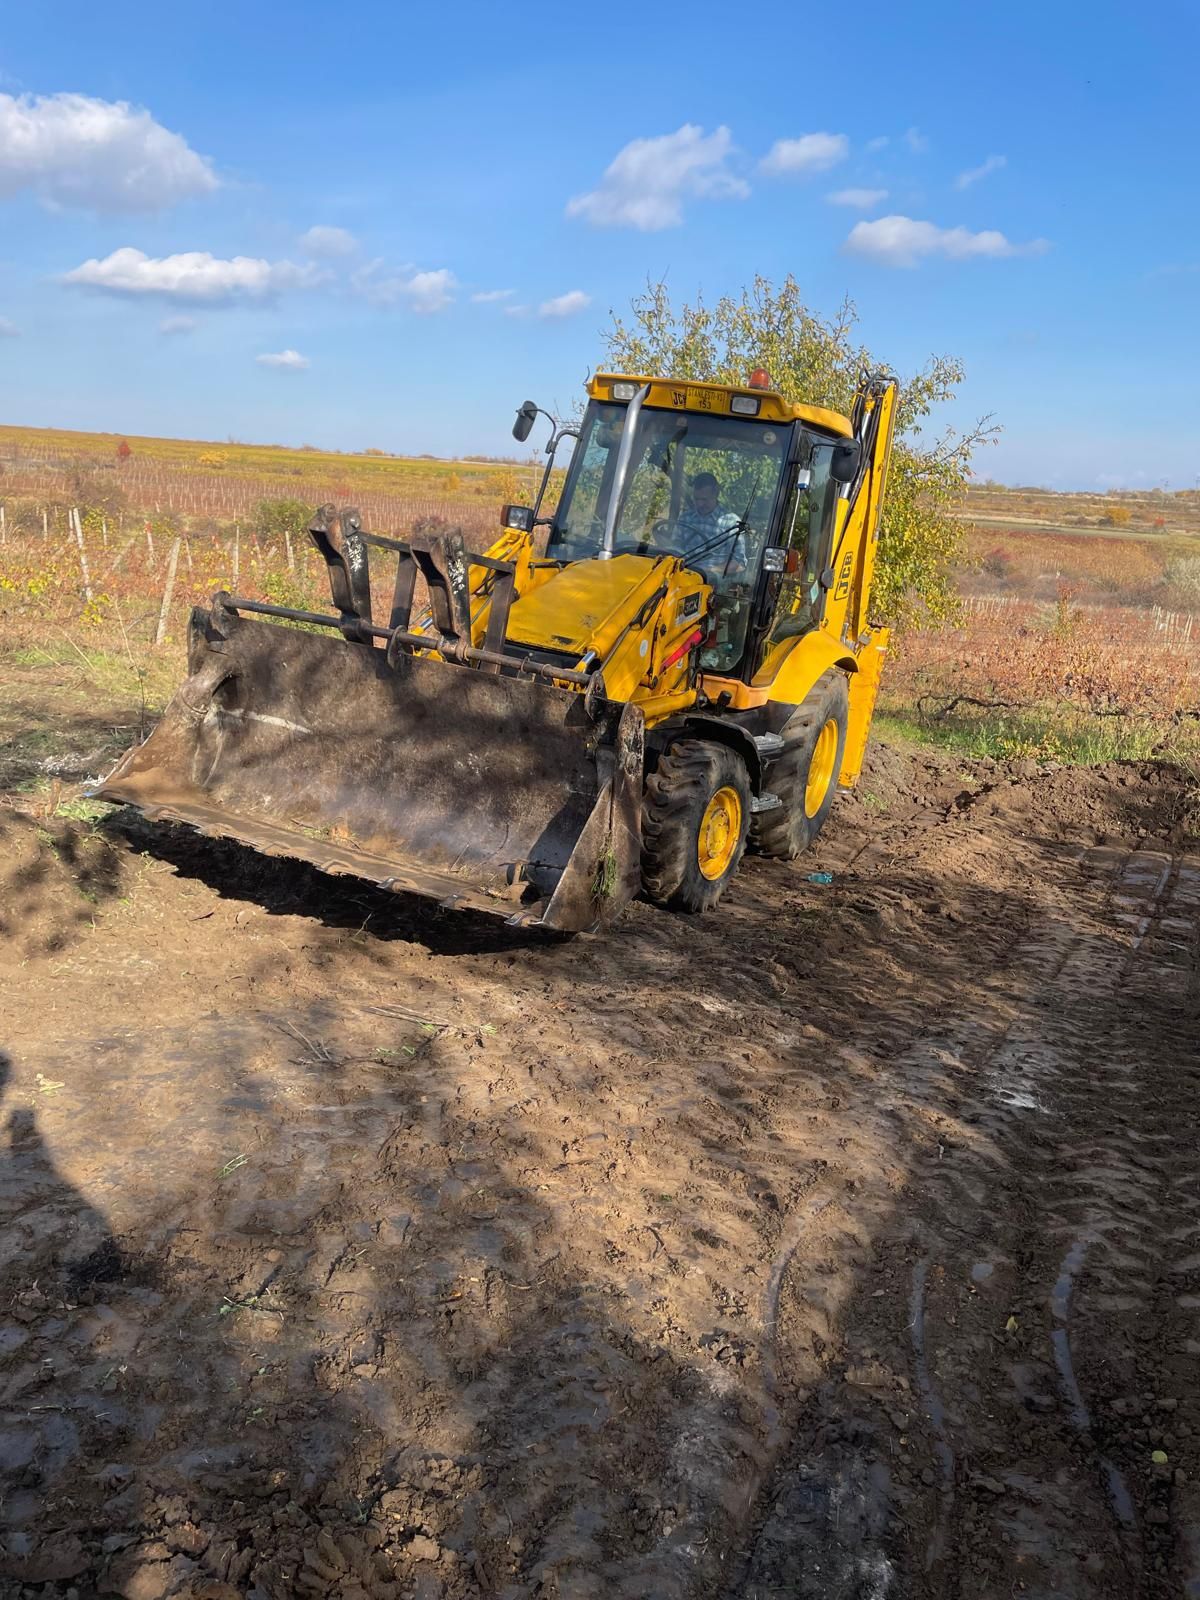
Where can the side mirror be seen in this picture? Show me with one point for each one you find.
(516, 517)
(826, 579)
(843, 468)
(526, 417)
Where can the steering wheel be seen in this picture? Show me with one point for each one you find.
(641, 547)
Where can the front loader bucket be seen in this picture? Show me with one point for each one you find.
(479, 790)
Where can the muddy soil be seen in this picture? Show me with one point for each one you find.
(844, 1242)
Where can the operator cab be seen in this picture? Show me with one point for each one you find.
(703, 488)
(710, 486)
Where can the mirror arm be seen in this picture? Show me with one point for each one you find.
(560, 433)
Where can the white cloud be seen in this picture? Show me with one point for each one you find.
(177, 325)
(646, 183)
(812, 152)
(861, 199)
(973, 174)
(489, 297)
(902, 242)
(564, 305)
(516, 311)
(430, 291)
(881, 143)
(423, 292)
(9, 330)
(326, 244)
(284, 360)
(916, 141)
(193, 276)
(97, 155)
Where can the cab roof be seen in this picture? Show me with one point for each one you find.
(714, 399)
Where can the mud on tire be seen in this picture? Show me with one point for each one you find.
(689, 778)
(790, 827)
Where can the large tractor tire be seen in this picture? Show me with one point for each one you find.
(695, 821)
(805, 775)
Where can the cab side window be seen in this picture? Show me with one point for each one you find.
(808, 527)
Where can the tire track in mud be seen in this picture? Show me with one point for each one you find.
(1038, 1247)
(536, 1299)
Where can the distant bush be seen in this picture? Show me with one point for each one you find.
(274, 518)
(998, 563)
(1116, 516)
(1184, 575)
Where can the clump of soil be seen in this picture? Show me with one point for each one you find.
(53, 875)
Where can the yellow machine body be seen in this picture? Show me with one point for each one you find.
(525, 726)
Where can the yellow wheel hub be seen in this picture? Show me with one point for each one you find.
(720, 833)
(820, 768)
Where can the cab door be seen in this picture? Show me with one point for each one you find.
(794, 599)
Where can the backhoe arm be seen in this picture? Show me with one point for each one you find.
(873, 416)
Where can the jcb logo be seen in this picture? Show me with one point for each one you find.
(679, 397)
(843, 581)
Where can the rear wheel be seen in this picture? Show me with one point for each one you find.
(805, 775)
(695, 821)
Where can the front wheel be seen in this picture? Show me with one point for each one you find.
(805, 775)
(695, 821)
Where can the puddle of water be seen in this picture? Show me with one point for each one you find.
(982, 1271)
(934, 1410)
(1060, 1295)
(1060, 1305)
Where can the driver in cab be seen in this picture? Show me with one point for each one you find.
(701, 526)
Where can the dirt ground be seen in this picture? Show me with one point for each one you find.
(842, 1243)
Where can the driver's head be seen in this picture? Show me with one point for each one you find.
(704, 493)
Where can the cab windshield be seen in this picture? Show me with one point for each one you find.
(699, 487)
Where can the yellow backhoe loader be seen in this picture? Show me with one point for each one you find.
(614, 699)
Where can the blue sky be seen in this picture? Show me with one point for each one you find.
(1016, 185)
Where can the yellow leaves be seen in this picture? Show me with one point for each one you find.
(95, 612)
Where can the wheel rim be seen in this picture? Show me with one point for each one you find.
(720, 833)
(820, 768)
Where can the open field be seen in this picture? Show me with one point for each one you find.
(201, 485)
(841, 1243)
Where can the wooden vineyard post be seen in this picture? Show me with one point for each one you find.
(73, 518)
(168, 591)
